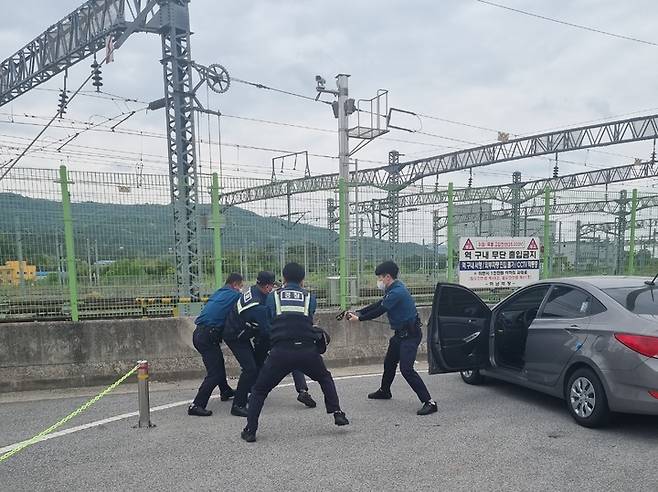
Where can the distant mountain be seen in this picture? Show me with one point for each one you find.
(133, 231)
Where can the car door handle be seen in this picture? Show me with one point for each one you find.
(573, 328)
(471, 337)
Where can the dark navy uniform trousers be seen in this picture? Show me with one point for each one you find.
(213, 359)
(282, 360)
(262, 349)
(403, 351)
(251, 360)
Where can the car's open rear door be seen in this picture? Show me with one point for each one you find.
(458, 330)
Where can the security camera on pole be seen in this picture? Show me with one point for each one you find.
(343, 107)
(341, 112)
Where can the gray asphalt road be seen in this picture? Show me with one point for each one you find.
(494, 437)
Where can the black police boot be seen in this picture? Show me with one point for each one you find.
(248, 435)
(227, 395)
(239, 411)
(340, 418)
(380, 394)
(305, 398)
(198, 411)
(428, 407)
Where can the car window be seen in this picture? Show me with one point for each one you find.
(567, 302)
(527, 300)
(596, 307)
(639, 300)
(457, 302)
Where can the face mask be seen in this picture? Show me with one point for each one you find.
(381, 285)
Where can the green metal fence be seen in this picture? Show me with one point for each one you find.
(80, 245)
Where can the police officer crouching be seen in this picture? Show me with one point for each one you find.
(293, 338)
(248, 320)
(206, 339)
(402, 314)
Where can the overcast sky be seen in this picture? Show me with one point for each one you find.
(454, 59)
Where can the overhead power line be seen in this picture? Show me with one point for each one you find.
(7, 166)
(274, 89)
(570, 24)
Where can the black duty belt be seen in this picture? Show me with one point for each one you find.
(409, 329)
(295, 344)
(208, 327)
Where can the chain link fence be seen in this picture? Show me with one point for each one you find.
(122, 240)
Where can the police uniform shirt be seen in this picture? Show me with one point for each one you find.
(250, 308)
(218, 306)
(397, 303)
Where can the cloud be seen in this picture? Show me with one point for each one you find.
(456, 59)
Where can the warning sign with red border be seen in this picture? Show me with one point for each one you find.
(498, 262)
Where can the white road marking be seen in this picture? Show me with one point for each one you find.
(167, 406)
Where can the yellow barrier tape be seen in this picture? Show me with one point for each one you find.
(76, 412)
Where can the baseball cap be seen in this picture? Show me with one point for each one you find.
(265, 278)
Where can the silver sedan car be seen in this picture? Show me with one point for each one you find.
(592, 341)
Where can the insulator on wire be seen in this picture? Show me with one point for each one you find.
(556, 169)
(96, 76)
(470, 178)
(63, 99)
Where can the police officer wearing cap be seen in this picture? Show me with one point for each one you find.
(247, 320)
(402, 314)
(293, 338)
(207, 338)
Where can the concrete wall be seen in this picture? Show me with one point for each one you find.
(48, 355)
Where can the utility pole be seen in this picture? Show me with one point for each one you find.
(343, 182)
(576, 260)
(343, 107)
(60, 265)
(621, 232)
(96, 265)
(357, 230)
(19, 254)
(89, 275)
(341, 112)
(559, 246)
(516, 203)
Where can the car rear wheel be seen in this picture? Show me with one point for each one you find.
(472, 377)
(586, 399)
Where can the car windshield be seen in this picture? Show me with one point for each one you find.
(639, 300)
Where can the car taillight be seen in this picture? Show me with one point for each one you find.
(654, 393)
(640, 343)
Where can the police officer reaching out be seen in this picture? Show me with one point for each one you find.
(400, 308)
(248, 319)
(206, 339)
(293, 338)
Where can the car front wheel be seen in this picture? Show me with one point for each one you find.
(472, 377)
(586, 399)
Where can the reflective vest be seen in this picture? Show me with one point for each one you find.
(292, 320)
(247, 301)
(236, 326)
(292, 301)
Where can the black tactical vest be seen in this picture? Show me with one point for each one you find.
(292, 321)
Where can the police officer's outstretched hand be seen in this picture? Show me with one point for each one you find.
(353, 317)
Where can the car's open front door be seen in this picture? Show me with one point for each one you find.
(458, 330)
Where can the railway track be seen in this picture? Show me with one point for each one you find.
(55, 309)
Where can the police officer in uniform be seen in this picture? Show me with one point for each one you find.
(262, 349)
(402, 314)
(248, 319)
(293, 338)
(206, 339)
